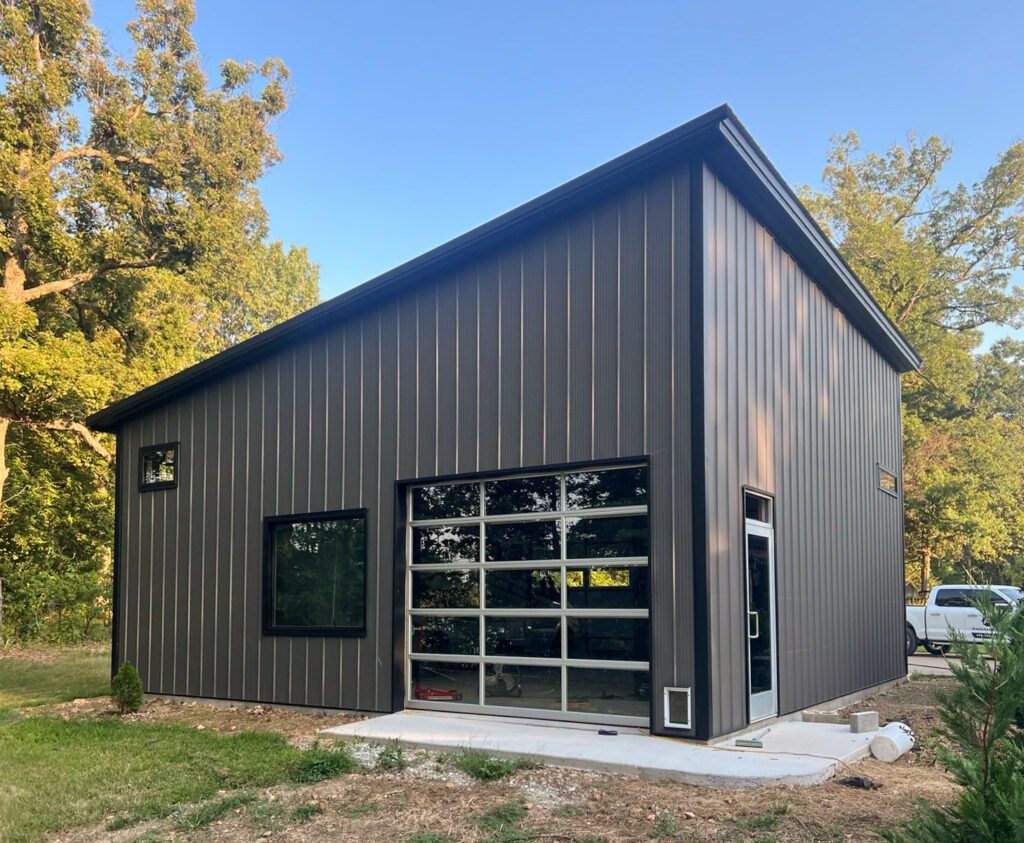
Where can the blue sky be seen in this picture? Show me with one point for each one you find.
(412, 122)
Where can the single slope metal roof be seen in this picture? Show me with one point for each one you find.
(717, 136)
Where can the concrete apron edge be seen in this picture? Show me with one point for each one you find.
(814, 770)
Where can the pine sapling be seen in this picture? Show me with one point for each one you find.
(126, 688)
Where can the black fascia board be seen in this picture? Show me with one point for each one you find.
(714, 134)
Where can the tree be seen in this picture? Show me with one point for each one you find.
(132, 239)
(940, 263)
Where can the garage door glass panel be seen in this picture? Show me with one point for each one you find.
(535, 540)
(445, 589)
(539, 638)
(449, 636)
(452, 500)
(607, 588)
(524, 589)
(624, 693)
(604, 538)
(521, 494)
(545, 578)
(609, 639)
(612, 487)
(523, 686)
(447, 682)
(445, 545)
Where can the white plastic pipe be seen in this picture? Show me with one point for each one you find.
(892, 741)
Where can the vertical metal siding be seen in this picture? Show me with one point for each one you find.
(800, 405)
(570, 345)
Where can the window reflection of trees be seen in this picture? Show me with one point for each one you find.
(456, 500)
(614, 487)
(319, 573)
(435, 545)
(158, 466)
(522, 494)
(445, 589)
(599, 538)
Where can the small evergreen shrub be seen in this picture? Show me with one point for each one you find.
(126, 688)
(982, 721)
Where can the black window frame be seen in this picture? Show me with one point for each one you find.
(271, 522)
(881, 470)
(147, 450)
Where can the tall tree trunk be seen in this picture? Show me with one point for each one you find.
(926, 570)
(4, 471)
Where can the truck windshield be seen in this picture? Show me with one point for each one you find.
(1014, 595)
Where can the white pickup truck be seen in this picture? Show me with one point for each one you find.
(952, 607)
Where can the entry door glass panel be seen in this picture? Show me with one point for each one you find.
(539, 583)
(761, 622)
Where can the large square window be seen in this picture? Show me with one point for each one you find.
(316, 574)
(158, 467)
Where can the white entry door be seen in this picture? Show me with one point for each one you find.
(762, 670)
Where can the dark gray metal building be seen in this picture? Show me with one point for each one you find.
(628, 453)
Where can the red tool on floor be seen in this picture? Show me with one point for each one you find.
(425, 692)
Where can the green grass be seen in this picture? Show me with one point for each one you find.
(487, 768)
(71, 773)
(306, 811)
(68, 675)
(391, 758)
(502, 822)
(429, 837)
(210, 811)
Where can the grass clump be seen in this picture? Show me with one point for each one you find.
(769, 820)
(429, 837)
(126, 688)
(210, 811)
(502, 821)
(319, 763)
(665, 825)
(392, 758)
(306, 811)
(487, 768)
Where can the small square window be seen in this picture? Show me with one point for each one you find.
(888, 482)
(316, 574)
(158, 467)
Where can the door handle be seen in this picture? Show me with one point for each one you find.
(757, 625)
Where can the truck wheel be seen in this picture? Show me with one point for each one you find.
(911, 640)
(937, 649)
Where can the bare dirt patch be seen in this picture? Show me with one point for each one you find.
(300, 727)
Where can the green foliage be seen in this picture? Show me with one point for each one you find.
(319, 763)
(429, 837)
(665, 825)
(132, 244)
(940, 262)
(392, 758)
(126, 688)
(983, 721)
(486, 767)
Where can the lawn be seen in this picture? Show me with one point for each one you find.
(181, 771)
(61, 773)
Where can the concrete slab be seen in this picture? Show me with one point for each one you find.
(794, 753)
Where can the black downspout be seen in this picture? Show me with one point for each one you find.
(115, 601)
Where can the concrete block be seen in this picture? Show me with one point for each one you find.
(864, 721)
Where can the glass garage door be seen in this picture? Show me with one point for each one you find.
(529, 595)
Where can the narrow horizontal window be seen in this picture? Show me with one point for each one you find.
(316, 574)
(887, 481)
(158, 467)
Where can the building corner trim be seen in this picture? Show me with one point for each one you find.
(701, 642)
